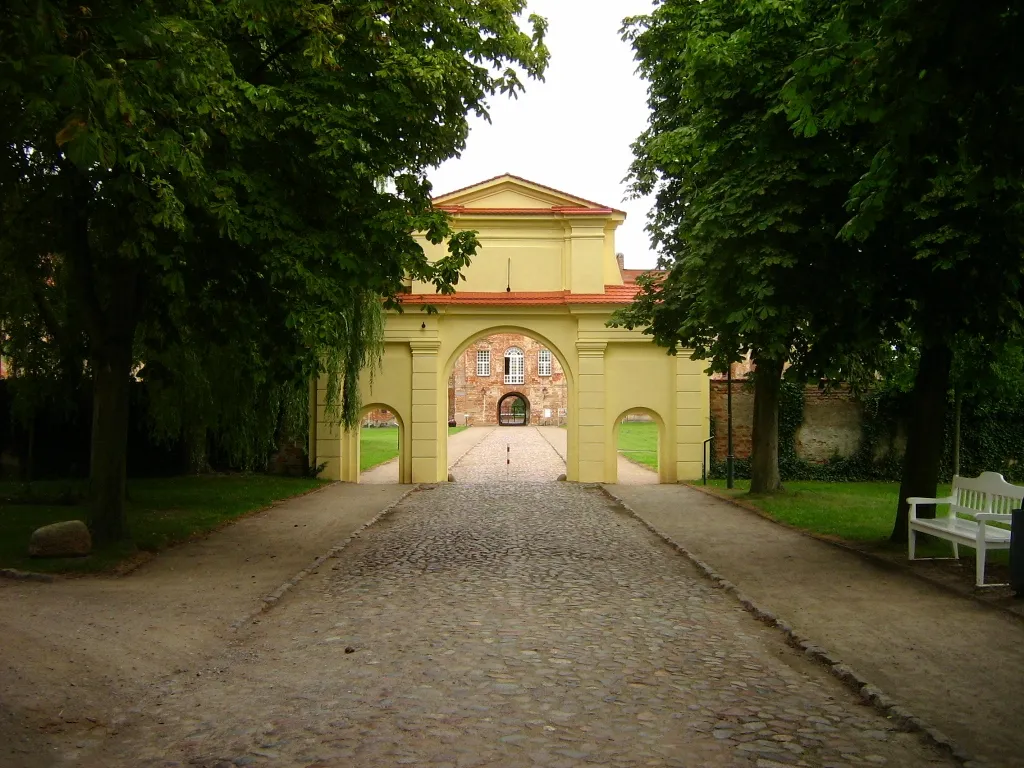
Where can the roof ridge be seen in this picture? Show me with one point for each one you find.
(527, 181)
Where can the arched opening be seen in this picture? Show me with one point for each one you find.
(513, 410)
(379, 450)
(639, 440)
(502, 377)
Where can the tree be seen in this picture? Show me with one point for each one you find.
(932, 97)
(746, 213)
(173, 171)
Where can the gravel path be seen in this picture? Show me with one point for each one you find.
(508, 624)
(510, 454)
(952, 661)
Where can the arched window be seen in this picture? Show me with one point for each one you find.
(544, 362)
(515, 370)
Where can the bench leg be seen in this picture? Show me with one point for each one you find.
(911, 543)
(956, 551)
(979, 566)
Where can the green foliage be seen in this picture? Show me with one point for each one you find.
(231, 184)
(930, 99)
(746, 214)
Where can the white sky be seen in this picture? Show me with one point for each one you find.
(574, 130)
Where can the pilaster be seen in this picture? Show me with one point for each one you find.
(424, 427)
(692, 416)
(591, 388)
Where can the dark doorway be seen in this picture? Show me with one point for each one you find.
(513, 410)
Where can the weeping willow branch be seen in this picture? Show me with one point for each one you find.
(359, 337)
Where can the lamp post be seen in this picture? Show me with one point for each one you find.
(729, 478)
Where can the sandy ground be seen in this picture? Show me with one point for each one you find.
(950, 660)
(78, 654)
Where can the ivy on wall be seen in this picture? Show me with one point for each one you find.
(991, 439)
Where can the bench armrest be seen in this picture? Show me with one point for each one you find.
(923, 500)
(913, 501)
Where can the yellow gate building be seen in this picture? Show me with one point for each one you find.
(546, 268)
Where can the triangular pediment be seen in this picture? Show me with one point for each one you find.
(510, 192)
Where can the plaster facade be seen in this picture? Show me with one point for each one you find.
(546, 268)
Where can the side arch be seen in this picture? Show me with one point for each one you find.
(350, 466)
(666, 462)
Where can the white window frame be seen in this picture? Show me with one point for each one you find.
(483, 363)
(544, 365)
(515, 366)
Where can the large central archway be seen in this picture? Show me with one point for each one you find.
(548, 329)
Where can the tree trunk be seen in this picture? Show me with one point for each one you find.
(194, 448)
(30, 463)
(112, 364)
(764, 456)
(926, 430)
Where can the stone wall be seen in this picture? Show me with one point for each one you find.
(831, 423)
(474, 399)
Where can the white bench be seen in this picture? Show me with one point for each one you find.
(975, 503)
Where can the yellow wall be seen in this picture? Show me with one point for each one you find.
(609, 371)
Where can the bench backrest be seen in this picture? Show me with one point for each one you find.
(988, 492)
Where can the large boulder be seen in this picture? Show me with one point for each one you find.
(68, 539)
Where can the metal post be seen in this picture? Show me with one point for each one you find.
(729, 476)
(705, 459)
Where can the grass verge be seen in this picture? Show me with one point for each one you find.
(859, 513)
(638, 442)
(161, 512)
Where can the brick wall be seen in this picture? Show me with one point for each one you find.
(379, 417)
(742, 418)
(831, 423)
(478, 396)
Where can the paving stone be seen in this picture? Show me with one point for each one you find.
(524, 623)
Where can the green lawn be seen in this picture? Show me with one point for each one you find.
(855, 512)
(161, 512)
(638, 441)
(380, 444)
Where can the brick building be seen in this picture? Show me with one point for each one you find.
(493, 370)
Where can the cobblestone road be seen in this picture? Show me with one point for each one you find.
(509, 624)
(530, 458)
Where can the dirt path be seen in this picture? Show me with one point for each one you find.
(955, 663)
(77, 654)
